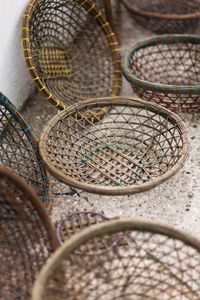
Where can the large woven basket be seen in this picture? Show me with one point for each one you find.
(73, 223)
(135, 147)
(71, 51)
(166, 70)
(26, 237)
(19, 149)
(165, 16)
(136, 260)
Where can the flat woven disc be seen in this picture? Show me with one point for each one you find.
(133, 147)
(27, 238)
(149, 262)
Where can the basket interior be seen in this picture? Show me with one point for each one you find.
(134, 265)
(167, 63)
(129, 145)
(24, 239)
(19, 150)
(70, 51)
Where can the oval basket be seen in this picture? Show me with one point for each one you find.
(71, 51)
(27, 237)
(135, 147)
(19, 149)
(150, 261)
(73, 223)
(165, 16)
(165, 69)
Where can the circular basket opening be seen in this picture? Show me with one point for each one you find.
(151, 262)
(134, 147)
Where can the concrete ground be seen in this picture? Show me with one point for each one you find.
(175, 202)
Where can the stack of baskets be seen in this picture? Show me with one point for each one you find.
(102, 143)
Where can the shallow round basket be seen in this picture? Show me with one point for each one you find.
(149, 261)
(165, 69)
(165, 16)
(71, 51)
(19, 149)
(75, 222)
(27, 237)
(135, 147)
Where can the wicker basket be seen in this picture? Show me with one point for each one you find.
(146, 261)
(19, 149)
(165, 69)
(71, 51)
(135, 147)
(75, 222)
(26, 237)
(165, 16)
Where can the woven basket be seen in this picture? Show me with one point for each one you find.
(165, 69)
(75, 222)
(165, 16)
(71, 51)
(135, 147)
(146, 261)
(26, 237)
(19, 149)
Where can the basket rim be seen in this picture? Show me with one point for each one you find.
(27, 129)
(26, 189)
(108, 32)
(98, 230)
(156, 86)
(103, 189)
(177, 17)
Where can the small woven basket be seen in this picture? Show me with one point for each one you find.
(165, 69)
(71, 51)
(165, 16)
(26, 237)
(75, 222)
(135, 147)
(146, 261)
(19, 149)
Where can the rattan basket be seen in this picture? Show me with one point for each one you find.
(71, 51)
(146, 261)
(75, 222)
(166, 70)
(26, 237)
(165, 16)
(135, 147)
(19, 149)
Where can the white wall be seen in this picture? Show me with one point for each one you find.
(15, 81)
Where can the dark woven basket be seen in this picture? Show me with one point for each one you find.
(165, 16)
(19, 149)
(135, 147)
(71, 51)
(26, 237)
(166, 70)
(149, 261)
(75, 222)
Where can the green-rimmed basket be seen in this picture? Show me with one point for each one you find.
(71, 51)
(166, 70)
(134, 147)
(165, 16)
(19, 150)
(135, 260)
(27, 237)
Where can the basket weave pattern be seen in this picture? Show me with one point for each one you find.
(71, 51)
(19, 149)
(26, 237)
(166, 70)
(131, 149)
(165, 16)
(145, 262)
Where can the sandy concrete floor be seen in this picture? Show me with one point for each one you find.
(176, 202)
